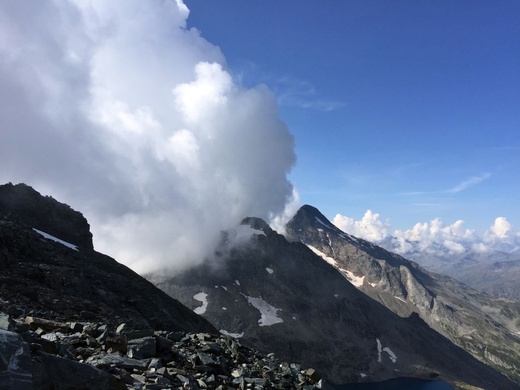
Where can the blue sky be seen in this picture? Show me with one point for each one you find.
(410, 109)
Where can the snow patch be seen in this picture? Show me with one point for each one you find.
(268, 315)
(49, 237)
(401, 299)
(372, 284)
(270, 270)
(237, 282)
(328, 259)
(363, 375)
(320, 230)
(234, 335)
(336, 295)
(224, 287)
(355, 280)
(391, 355)
(201, 297)
(224, 308)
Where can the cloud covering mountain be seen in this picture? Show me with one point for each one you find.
(434, 237)
(119, 109)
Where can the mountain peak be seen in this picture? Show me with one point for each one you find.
(44, 213)
(257, 224)
(308, 213)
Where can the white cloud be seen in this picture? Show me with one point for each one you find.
(432, 237)
(370, 227)
(501, 228)
(119, 110)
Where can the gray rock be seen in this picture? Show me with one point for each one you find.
(53, 372)
(15, 362)
(113, 359)
(6, 323)
(143, 348)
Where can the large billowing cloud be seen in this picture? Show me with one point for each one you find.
(432, 237)
(121, 111)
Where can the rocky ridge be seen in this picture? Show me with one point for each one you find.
(486, 327)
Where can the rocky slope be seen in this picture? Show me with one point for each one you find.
(72, 318)
(486, 327)
(280, 296)
(96, 356)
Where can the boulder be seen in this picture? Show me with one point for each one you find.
(15, 362)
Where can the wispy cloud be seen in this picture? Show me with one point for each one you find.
(300, 93)
(470, 182)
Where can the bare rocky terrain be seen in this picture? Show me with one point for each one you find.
(487, 327)
(280, 296)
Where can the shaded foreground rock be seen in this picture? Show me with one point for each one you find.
(15, 362)
(85, 356)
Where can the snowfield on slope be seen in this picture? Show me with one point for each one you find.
(268, 314)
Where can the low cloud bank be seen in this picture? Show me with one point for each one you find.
(432, 237)
(119, 110)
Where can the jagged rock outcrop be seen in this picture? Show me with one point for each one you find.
(488, 328)
(23, 204)
(280, 296)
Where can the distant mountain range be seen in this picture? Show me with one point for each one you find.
(494, 272)
(73, 318)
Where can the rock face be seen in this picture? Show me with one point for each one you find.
(486, 327)
(23, 204)
(280, 296)
(43, 278)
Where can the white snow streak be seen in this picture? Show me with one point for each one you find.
(391, 355)
(201, 297)
(355, 280)
(323, 223)
(328, 259)
(49, 237)
(234, 335)
(270, 270)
